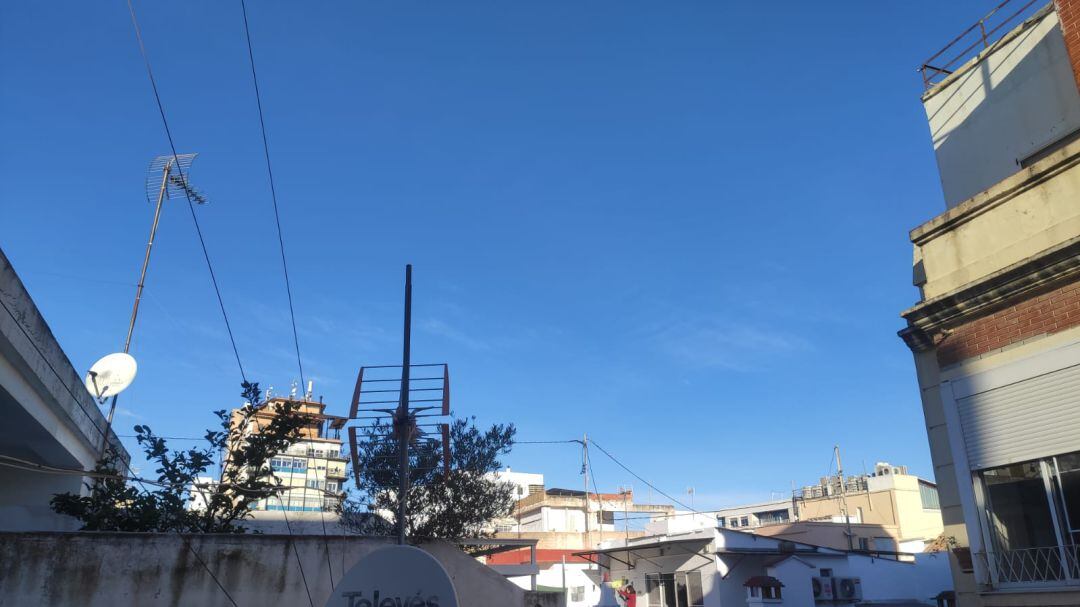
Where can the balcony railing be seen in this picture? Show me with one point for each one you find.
(1026, 566)
(973, 40)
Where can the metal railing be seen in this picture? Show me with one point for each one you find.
(974, 39)
(1034, 565)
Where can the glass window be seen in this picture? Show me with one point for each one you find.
(929, 495)
(1017, 507)
(691, 589)
(744, 522)
(577, 593)
(1068, 486)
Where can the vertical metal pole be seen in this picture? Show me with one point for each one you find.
(564, 589)
(138, 293)
(843, 498)
(402, 425)
(585, 469)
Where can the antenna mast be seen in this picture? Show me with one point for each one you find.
(173, 182)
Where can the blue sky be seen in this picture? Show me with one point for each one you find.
(678, 227)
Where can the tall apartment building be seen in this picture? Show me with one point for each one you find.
(313, 468)
(996, 331)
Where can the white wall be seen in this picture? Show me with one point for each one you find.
(575, 576)
(1010, 104)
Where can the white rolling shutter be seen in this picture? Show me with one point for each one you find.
(1023, 420)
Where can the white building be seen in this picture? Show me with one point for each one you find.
(725, 568)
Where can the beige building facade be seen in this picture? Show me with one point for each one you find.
(996, 331)
(312, 470)
(888, 511)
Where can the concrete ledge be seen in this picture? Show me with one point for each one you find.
(152, 569)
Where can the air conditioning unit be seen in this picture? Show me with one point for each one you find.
(848, 589)
(823, 588)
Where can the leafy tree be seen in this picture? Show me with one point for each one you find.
(440, 505)
(115, 503)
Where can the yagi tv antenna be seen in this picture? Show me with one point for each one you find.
(111, 375)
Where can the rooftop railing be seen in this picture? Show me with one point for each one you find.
(975, 39)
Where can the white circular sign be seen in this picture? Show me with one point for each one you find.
(395, 576)
(111, 375)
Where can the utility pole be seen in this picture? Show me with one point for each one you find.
(843, 497)
(625, 514)
(403, 423)
(585, 471)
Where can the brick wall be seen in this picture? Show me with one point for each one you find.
(1045, 314)
(1069, 15)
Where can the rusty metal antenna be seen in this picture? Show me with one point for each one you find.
(166, 177)
(424, 396)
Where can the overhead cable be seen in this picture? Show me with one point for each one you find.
(273, 193)
(187, 194)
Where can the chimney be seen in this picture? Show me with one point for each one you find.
(1069, 15)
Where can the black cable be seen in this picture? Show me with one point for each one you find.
(187, 195)
(273, 193)
(634, 474)
(296, 552)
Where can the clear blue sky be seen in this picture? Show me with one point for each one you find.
(679, 227)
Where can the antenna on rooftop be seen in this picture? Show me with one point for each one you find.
(168, 177)
(425, 395)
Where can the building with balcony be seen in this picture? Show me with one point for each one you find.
(311, 470)
(996, 330)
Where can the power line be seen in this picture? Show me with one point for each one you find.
(202, 243)
(273, 193)
(635, 475)
(187, 194)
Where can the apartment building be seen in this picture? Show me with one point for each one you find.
(995, 332)
(313, 468)
(885, 510)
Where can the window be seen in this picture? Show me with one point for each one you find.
(864, 543)
(314, 484)
(679, 589)
(885, 544)
(1031, 512)
(720, 522)
(929, 496)
(332, 486)
(577, 593)
(773, 517)
(744, 522)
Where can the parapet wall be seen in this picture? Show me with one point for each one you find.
(152, 569)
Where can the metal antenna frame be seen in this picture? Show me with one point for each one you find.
(405, 429)
(168, 177)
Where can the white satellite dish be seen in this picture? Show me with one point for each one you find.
(111, 375)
